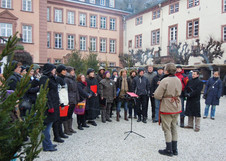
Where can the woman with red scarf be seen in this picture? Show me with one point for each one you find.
(83, 94)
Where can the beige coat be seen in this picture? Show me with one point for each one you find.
(169, 91)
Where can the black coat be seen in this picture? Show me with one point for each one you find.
(193, 92)
(92, 103)
(83, 91)
(31, 94)
(13, 80)
(53, 98)
(73, 92)
(154, 84)
(141, 87)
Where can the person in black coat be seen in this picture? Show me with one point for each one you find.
(52, 113)
(83, 95)
(15, 77)
(92, 103)
(213, 92)
(63, 98)
(73, 95)
(141, 87)
(155, 83)
(192, 92)
(132, 104)
(123, 85)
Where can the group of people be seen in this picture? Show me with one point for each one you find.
(167, 89)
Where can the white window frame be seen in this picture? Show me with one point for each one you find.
(103, 22)
(27, 33)
(173, 34)
(102, 2)
(112, 3)
(224, 33)
(82, 42)
(27, 5)
(112, 24)
(193, 3)
(102, 64)
(174, 8)
(71, 17)
(71, 42)
(6, 30)
(93, 21)
(111, 64)
(112, 46)
(155, 37)
(58, 15)
(224, 6)
(156, 14)
(82, 19)
(48, 14)
(58, 41)
(92, 1)
(6, 4)
(103, 45)
(48, 40)
(138, 40)
(57, 61)
(193, 28)
(93, 44)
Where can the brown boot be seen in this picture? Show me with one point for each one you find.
(125, 116)
(70, 126)
(117, 117)
(66, 129)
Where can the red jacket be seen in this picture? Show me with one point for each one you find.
(183, 78)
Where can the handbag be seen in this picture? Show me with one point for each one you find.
(64, 111)
(80, 108)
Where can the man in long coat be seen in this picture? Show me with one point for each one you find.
(193, 92)
(168, 92)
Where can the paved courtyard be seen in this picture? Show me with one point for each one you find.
(106, 141)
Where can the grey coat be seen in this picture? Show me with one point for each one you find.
(108, 89)
(150, 76)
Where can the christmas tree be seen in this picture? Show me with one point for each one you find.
(13, 132)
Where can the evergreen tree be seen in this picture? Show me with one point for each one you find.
(13, 132)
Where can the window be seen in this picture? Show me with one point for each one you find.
(224, 33)
(172, 35)
(102, 2)
(70, 42)
(138, 40)
(71, 17)
(27, 34)
(102, 64)
(193, 28)
(111, 64)
(103, 45)
(82, 19)
(57, 61)
(6, 4)
(224, 5)
(193, 3)
(27, 5)
(139, 20)
(82, 43)
(112, 24)
(103, 22)
(112, 3)
(92, 1)
(130, 43)
(112, 46)
(6, 29)
(58, 15)
(156, 14)
(93, 44)
(58, 41)
(155, 37)
(48, 40)
(48, 14)
(93, 21)
(174, 8)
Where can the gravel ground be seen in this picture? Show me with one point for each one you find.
(106, 141)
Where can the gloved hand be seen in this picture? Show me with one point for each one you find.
(51, 110)
(62, 105)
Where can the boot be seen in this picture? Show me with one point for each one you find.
(66, 129)
(139, 119)
(62, 135)
(56, 132)
(168, 151)
(125, 116)
(197, 124)
(80, 127)
(70, 121)
(190, 122)
(174, 147)
(144, 120)
(117, 117)
(182, 121)
(58, 139)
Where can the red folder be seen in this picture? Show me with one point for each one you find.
(131, 94)
(93, 88)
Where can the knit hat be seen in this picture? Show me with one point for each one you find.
(179, 66)
(60, 68)
(89, 71)
(36, 66)
(48, 67)
(105, 73)
(140, 69)
(101, 68)
(14, 64)
(160, 68)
